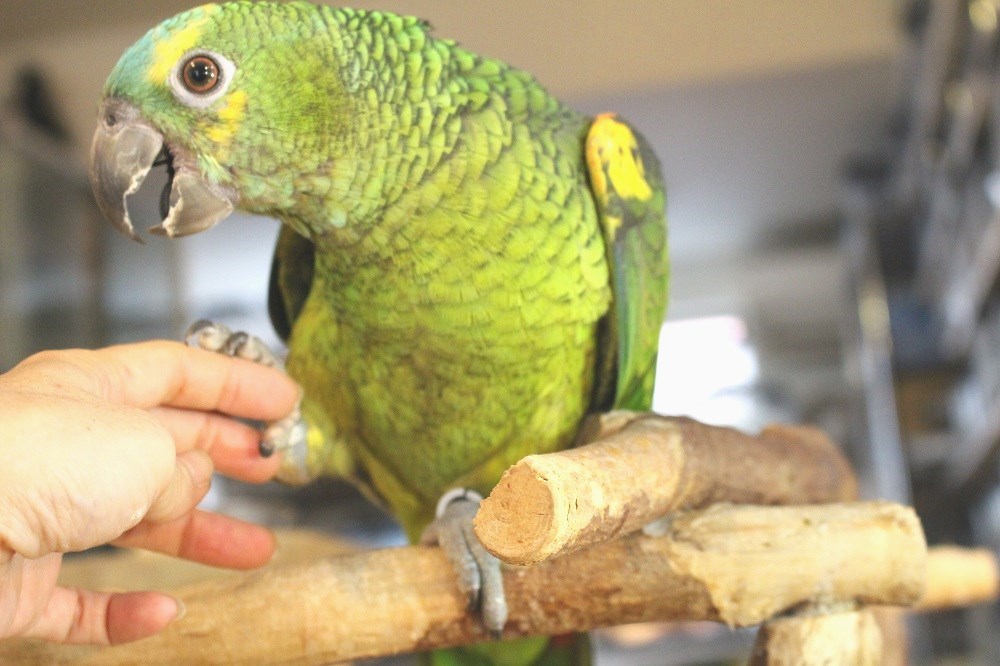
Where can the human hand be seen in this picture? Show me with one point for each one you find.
(118, 446)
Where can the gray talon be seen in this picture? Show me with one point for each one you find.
(479, 574)
(235, 344)
(284, 434)
(215, 337)
(207, 335)
(196, 328)
(288, 434)
(250, 348)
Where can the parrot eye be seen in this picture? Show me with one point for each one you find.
(200, 74)
(201, 77)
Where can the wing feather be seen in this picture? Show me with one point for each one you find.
(291, 279)
(631, 201)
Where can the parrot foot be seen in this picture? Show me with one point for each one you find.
(214, 337)
(479, 574)
(288, 434)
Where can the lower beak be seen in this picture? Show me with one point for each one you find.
(122, 153)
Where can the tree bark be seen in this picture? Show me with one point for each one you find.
(850, 638)
(643, 467)
(960, 577)
(735, 564)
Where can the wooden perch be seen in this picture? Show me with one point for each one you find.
(956, 577)
(960, 577)
(643, 467)
(823, 639)
(734, 564)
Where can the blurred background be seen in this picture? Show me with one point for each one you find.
(834, 228)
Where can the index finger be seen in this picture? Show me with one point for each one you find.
(172, 374)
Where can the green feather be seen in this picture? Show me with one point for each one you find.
(640, 274)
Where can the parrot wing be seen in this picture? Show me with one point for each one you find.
(631, 201)
(291, 279)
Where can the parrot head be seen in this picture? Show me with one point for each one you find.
(235, 100)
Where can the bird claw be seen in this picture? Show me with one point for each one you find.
(212, 336)
(479, 574)
(288, 434)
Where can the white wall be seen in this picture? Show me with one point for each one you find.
(578, 48)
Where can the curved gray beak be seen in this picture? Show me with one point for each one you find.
(121, 154)
(123, 151)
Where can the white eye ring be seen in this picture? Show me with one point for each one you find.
(201, 101)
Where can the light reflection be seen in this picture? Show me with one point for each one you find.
(703, 366)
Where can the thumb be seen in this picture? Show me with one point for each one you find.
(187, 486)
(103, 618)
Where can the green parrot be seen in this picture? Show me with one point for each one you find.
(466, 267)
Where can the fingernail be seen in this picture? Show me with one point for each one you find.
(181, 610)
(199, 465)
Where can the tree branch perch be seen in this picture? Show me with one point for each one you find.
(644, 466)
(733, 564)
(741, 565)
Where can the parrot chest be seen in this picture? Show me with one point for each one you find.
(436, 390)
(457, 335)
(431, 406)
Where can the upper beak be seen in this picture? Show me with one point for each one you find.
(122, 153)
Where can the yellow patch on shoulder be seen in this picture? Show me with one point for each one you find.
(167, 49)
(613, 160)
(228, 117)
